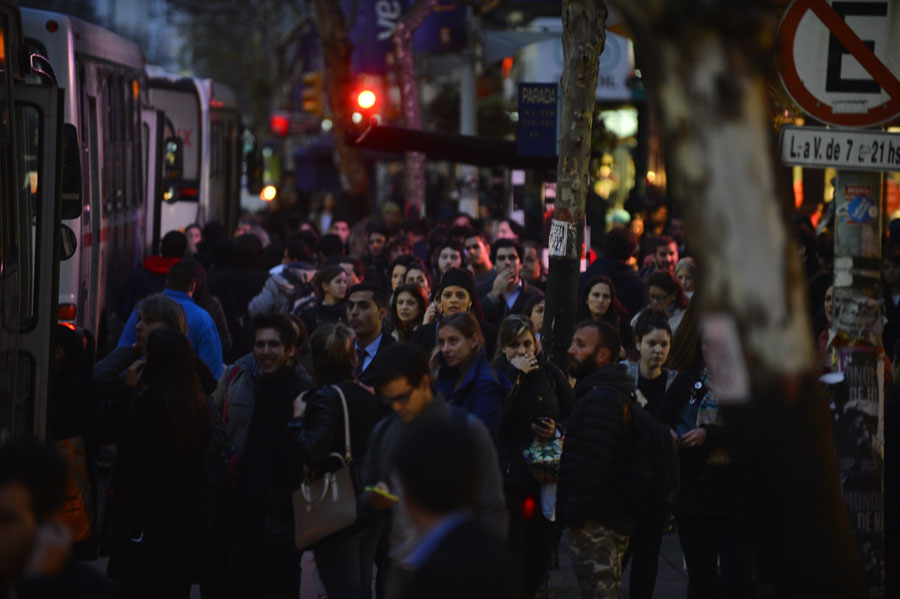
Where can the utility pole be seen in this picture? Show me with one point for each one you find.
(468, 115)
(584, 35)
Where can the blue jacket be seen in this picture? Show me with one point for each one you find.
(481, 393)
(201, 331)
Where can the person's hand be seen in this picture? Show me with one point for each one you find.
(545, 428)
(431, 314)
(501, 282)
(52, 548)
(133, 375)
(675, 438)
(300, 405)
(525, 363)
(694, 438)
(379, 501)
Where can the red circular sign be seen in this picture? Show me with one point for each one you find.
(817, 107)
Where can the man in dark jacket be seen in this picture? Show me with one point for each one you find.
(150, 275)
(403, 380)
(455, 556)
(264, 562)
(598, 435)
(508, 293)
(618, 248)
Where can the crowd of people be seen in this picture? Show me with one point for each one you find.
(250, 363)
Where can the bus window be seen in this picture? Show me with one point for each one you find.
(28, 193)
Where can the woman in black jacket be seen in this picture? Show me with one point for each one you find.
(330, 284)
(158, 506)
(540, 396)
(344, 559)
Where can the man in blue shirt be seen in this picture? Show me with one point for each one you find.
(202, 330)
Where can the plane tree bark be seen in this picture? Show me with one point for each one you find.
(707, 66)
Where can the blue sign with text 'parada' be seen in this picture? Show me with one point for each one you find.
(538, 119)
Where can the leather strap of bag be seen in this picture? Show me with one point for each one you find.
(346, 423)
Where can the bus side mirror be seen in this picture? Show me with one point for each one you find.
(71, 173)
(174, 158)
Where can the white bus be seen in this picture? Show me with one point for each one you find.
(105, 83)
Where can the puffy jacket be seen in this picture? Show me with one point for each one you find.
(481, 393)
(541, 393)
(281, 291)
(598, 436)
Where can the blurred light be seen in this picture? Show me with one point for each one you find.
(327, 124)
(267, 152)
(268, 193)
(605, 171)
(135, 88)
(2, 50)
(278, 124)
(366, 99)
(356, 118)
(623, 121)
(52, 26)
(651, 176)
(68, 325)
(508, 63)
(529, 507)
(66, 312)
(33, 181)
(514, 116)
(799, 121)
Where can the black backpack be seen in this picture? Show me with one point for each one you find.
(651, 476)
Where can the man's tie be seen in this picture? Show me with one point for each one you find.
(361, 354)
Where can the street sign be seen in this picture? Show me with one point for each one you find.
(858, 150)
(840, 62)
(538, 119)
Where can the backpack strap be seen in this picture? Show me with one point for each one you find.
(235, 370)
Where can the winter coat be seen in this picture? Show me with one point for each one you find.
(705, 490)
(496, 310)
(481, 393)
(320, 313)
(158, 498)
(235, 287)
(320, 431)
(281, 290)
(630, 289)
(544, 392)
(598, 439)
(234, 398)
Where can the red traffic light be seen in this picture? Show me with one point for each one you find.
(366, 99)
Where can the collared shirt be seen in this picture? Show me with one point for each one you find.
(370, 350)
(433, 537)
(512, 296)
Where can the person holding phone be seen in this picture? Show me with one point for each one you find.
(539, 398)
(455, 293)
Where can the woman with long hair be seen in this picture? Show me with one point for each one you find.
(158, 509)
(667, 295)
(408, 306)
(539, 398)
(330, 284)
(707, 512)
(345, 558)
(465, 376)
(456, 293)
(600, 302)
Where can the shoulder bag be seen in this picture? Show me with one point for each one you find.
(328, 504)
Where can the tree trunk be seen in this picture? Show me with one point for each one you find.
(707, 66)
(409, 92)
(337, 49)
(584, 35)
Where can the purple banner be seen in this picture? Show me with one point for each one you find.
(371, 31)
